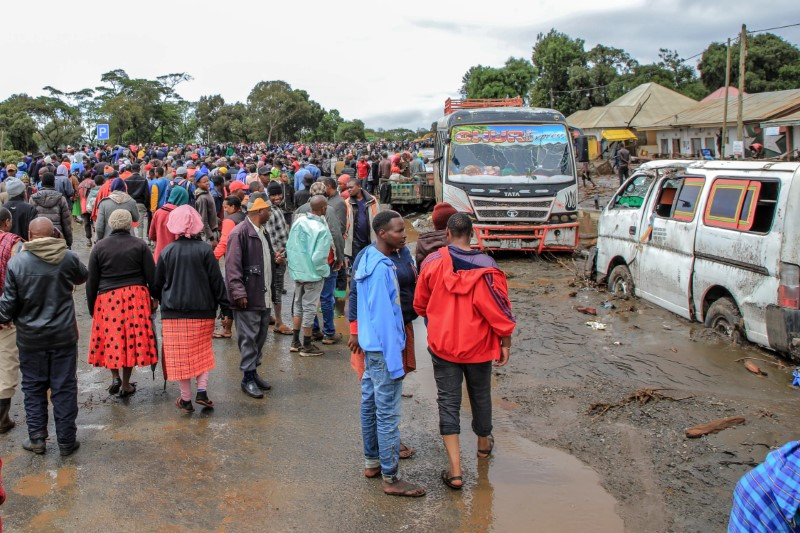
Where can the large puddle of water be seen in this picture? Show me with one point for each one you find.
(523, 486)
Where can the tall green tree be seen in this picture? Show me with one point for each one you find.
(554, 55)
(772, 64)
(514, 79)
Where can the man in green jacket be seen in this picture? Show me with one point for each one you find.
(307, 251)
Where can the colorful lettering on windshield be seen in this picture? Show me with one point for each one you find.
(543, 134)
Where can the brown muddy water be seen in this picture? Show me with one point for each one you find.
(523, 486)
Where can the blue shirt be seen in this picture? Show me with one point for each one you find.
(314, 170)
(767, 498)
(298, 179)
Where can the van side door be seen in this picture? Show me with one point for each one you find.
(667, 255)
(619, 226)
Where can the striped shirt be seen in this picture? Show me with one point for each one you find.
(767, 498)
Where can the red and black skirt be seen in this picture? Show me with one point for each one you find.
(122, 329)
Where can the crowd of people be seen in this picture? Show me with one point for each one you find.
(194, 234)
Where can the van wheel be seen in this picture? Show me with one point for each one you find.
(620, 282)
(724, 318)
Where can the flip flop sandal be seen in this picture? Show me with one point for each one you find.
(222, 335)
(284, 330)
(125, 394)
(448, 480)
(406, 452)
(483, 454)
(115, 386)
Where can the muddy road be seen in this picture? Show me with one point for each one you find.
(293, 461)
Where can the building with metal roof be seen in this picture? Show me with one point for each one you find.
(689, 131)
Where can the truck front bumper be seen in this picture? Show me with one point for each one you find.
(527, 238)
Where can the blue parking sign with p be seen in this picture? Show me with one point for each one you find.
(102, 132)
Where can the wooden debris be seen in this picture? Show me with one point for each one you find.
(775, 363)
(641, 396)
(714, 426)
(752, 367)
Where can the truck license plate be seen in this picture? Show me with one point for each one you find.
(514, 244)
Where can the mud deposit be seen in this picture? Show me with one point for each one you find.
(560, 367)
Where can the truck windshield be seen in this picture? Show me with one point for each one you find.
(510, 154)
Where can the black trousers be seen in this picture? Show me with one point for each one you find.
(54, 370)
(449, 377)
(87, 226)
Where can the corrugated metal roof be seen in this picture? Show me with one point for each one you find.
(641, 107)
(792, 119)
(757, 107)
(720, 93)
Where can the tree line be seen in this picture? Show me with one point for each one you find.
(563, 75)
(140, 110)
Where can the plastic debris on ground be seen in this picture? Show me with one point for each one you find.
(597, 326)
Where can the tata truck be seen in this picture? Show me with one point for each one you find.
(512, 169)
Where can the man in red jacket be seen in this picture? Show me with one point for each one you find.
(464, 296)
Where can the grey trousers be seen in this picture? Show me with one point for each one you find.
(251, 333)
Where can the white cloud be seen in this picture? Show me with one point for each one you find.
(376, 61)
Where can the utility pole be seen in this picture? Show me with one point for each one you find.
(742, 57)
(725, 109)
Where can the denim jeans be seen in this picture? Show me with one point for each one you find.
(142, 229)
(380, 416)
(54, 370)
(449, 376)
(326, 302)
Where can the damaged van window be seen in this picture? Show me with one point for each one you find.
(634, 193)
(678, 198)
(742, 205)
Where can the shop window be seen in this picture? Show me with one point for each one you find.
(742, 205)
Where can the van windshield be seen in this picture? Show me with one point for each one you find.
(634, 193)
(510, 154)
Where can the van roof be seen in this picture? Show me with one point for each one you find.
(747, 165)
(667, 163)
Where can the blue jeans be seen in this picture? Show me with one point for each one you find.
(380, 416)
(326, 302)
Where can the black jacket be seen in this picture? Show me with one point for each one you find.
(138, 189)
(119, 260)
(188, 281)
(37, 296)
(21, 215)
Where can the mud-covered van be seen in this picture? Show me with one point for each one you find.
(713, 241)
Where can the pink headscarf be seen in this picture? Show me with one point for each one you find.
(184, 220)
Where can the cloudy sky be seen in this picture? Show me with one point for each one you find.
(390, 66)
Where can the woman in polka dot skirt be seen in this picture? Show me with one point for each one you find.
(121, 273)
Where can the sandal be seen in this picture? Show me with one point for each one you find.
(284, 330)
(372, 476)
(483, 454)
(406, 452)
(222, 335)
(115, 386)
(124, 394)
(448, 480)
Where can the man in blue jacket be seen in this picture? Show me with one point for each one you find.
(381, 336)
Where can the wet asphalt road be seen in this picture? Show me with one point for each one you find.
(291, 461)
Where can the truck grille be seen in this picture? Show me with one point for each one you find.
(509, 203)
(512, 209)
(503, 213)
